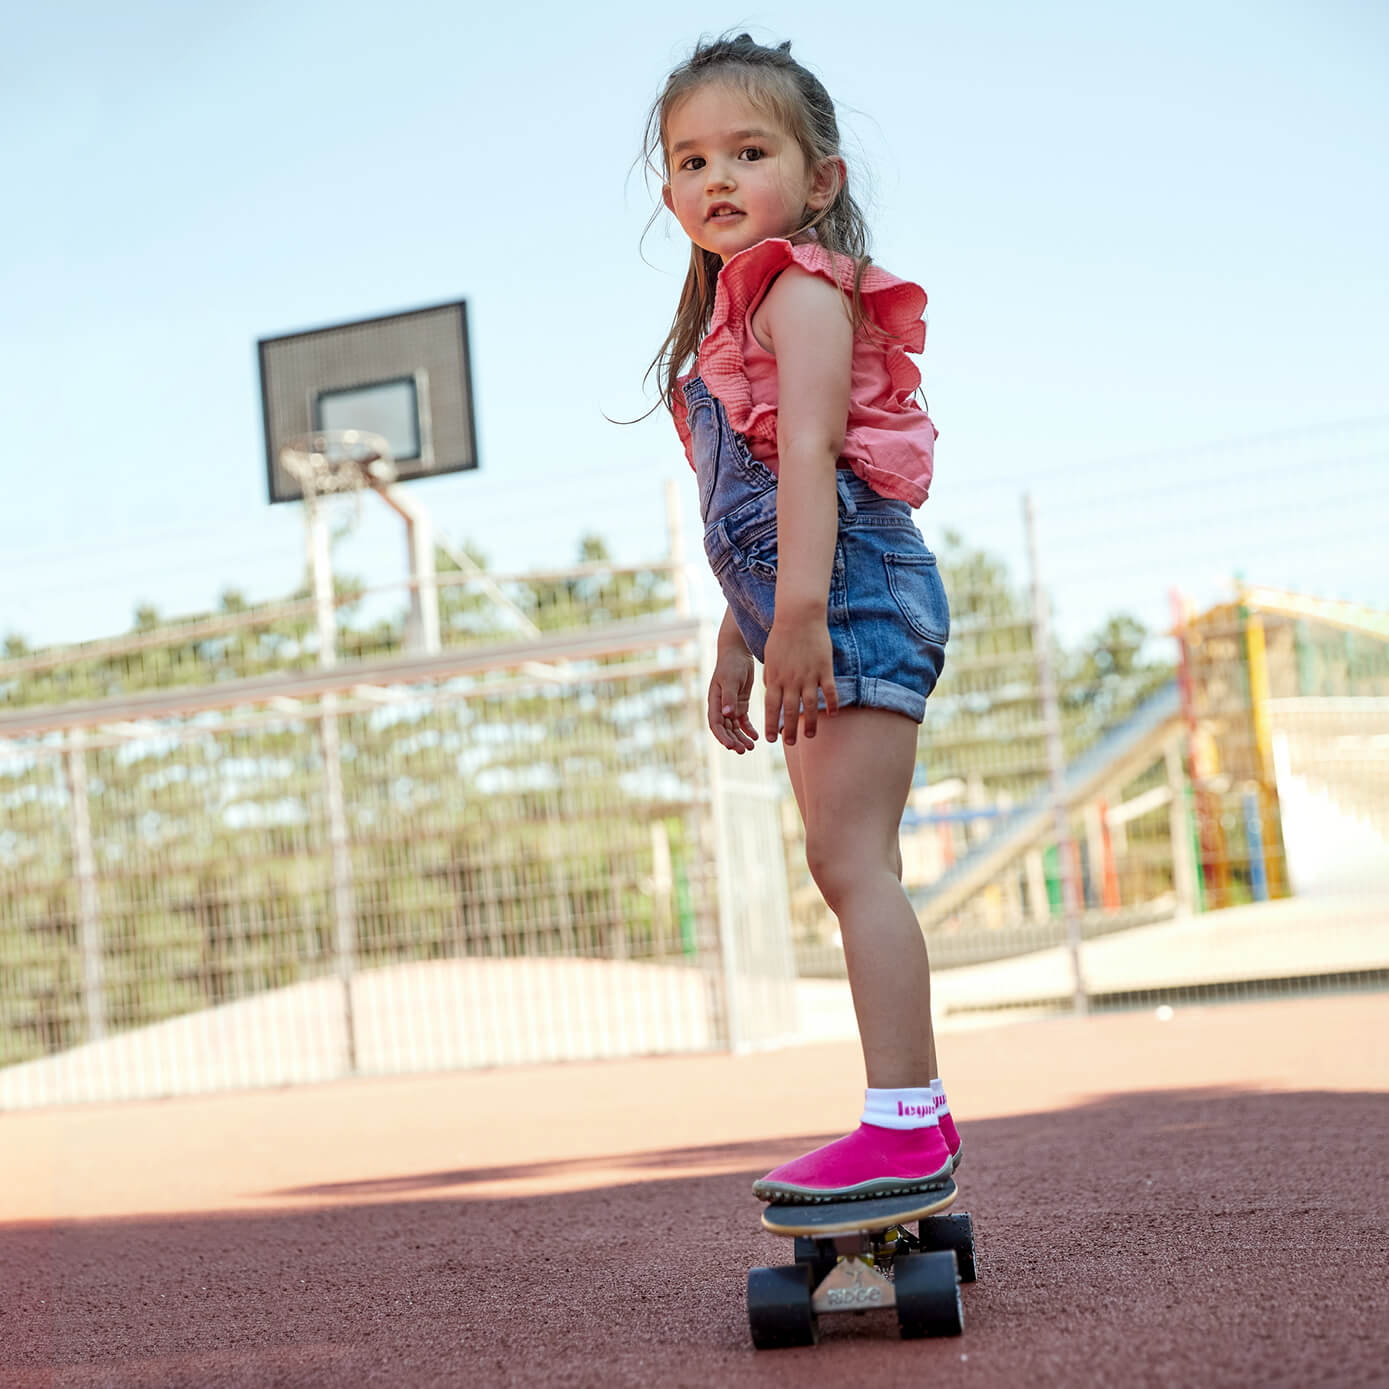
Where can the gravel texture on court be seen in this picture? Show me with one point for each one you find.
(1201, 1200)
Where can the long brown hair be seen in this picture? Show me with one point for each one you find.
(797, 100)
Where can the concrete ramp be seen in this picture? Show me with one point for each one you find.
(431, 1015)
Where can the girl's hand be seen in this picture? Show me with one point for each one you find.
(730, 690)
(799, 664)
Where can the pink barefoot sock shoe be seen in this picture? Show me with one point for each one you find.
(877, 1159)
(947, 1125)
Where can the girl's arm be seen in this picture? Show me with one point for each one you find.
(730, 636)
(730, 688)
(806, 319)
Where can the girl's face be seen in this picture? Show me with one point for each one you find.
(736, 178)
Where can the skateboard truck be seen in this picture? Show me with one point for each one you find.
(852, 1285)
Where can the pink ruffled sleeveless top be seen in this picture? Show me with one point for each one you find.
(889, 440)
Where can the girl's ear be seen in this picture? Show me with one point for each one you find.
(666, 198)
(830, 177)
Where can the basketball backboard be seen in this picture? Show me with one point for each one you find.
(404, 376)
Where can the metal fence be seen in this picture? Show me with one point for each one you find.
(502, 852)
(225, 863)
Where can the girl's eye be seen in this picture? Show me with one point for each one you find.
(753, 151)
(693, 162)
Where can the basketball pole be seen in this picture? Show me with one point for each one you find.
(422, 630)
(321, 570)
(325, 463)
(344, 899)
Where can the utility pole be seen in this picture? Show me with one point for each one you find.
(1056, 759)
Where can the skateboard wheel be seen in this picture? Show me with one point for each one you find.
(951, 1232)
(818, 1256)
(928, 1295)
(779, 1310)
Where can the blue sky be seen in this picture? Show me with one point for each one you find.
(1153, 240)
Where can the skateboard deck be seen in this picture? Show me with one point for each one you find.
(824, 1219)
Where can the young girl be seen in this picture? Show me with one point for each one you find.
(798, 418)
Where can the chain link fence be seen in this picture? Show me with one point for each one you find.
(503, 852)
(225, 864)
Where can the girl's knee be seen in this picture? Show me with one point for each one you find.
(839, 863)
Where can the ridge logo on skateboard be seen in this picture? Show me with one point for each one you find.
(859, 1256)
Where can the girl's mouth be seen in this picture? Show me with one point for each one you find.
(722, 211)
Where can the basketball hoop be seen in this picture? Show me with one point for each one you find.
(342, 463)
(332, 462)
(337, 460)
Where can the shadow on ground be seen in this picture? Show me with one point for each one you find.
(712, 1157)
(1170, 1237)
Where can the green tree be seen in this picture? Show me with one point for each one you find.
(1111, 674)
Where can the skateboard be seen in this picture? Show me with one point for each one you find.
(855, 1256)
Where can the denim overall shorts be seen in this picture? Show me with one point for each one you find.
(888, 615)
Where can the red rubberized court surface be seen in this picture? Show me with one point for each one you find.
(1198, 1201)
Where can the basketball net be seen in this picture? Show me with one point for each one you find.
(337, 462)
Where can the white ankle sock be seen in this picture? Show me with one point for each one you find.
(900, 1109)
(938, 1090)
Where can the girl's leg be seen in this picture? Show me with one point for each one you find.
(851, 783)
(793, 766)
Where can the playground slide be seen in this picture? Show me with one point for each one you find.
(1122, 752)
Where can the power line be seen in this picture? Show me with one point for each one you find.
(1175, 488)
(1022, 481)
(1235, 553)
(1231, 519)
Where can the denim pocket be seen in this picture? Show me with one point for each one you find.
(750, 531)
(748, 583)
(918, 590)
(758, 552)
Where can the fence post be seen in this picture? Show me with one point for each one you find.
(344, 908)
(1179, 830)
(1056, 760)
(1038, 907)
(730, 962)
(88, 902)
(675, 548)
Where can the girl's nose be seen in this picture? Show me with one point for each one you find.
(719, 175)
